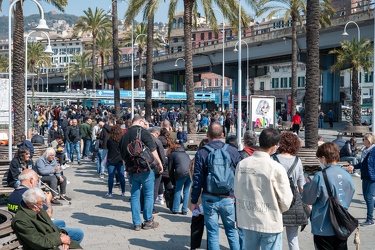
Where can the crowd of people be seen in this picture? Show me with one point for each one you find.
(250, 190)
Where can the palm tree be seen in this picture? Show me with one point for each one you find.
(18, 67)
(356, 55)
(79, 69)
(104, 48)
(312, 73)
(116, 60)
(229, 10)
(140, 31)
(295, 11)
(35, 53)
(3, 63)
(94, 23)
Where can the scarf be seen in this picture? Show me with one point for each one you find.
(250, 151)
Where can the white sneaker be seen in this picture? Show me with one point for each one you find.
(159, 201)
(356, 174)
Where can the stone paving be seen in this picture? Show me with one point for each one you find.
(107, 222)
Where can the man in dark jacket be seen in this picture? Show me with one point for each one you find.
(34, 227)
(349, 152)
(37, 139)
(74, 136)
(155, 132)
(139, 176)
(213, 204)
(103, 137)
(86, 137)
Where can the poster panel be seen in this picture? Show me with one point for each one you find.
(262, 111)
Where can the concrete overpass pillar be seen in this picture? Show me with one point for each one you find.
(331, 87)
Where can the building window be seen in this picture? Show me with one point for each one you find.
(202, 36)
(155, 85)
(179, 48)
(217, 82)
(285, 69)
(209, 35)
(290, 82)
(209, 82)
(283, 82)
(261, 85)
(276, 69)
(301, 81)
(180, 23)
(193, 37)
(303, 67)
(202, 82)
(342, 81)
(174, 24)
(175, 40)
(228, 82)
(368, 78)
(275, 83)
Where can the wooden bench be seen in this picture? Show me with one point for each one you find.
(193, 140)
(4, 166)
(8, 239)
(311, 163)
(355, 131)
(285, 126)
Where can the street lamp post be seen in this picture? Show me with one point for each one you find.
(358, 39)
(67, 55)
(41, 26)
(239, 109)
(133, 43)
(223, 62)
(247, 76)
(48, 50)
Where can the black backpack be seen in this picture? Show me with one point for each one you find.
(141, 156)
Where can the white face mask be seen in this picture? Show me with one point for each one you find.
(322, 165)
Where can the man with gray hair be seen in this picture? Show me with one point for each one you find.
(49, 169)
(34, 227)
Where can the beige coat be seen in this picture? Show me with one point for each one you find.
(262, 192)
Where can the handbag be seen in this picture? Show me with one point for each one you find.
(298, 213)
(342, 221)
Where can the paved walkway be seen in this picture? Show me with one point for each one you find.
(107, 221)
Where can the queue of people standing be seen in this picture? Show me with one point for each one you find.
(252, 198)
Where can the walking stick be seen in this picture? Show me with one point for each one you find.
(70, 203)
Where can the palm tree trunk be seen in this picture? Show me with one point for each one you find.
(93, 63)
(116, 62)
(356, 95)
(294, 64)
(189, 81)
(102, 70)
(150, 49)
(18, 74)
(312, 74)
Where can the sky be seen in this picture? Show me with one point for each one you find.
(76, 7)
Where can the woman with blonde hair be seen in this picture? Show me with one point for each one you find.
(367, 166)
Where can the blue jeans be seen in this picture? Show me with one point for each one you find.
(147, 182)
(74, 233)
(101, 156)
(321, 123)
(368, 189)
(67, 147)
(213, 206)
(111, 174)
(185, 183)
(265, 241)
(86, 147)
(353, 159)
(75, 147)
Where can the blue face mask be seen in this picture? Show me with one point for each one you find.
(322, 165)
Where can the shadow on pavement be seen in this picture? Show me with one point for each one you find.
(88, 219)
(109, 206)
(176, 217)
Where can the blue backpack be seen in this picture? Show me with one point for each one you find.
(220, 177)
